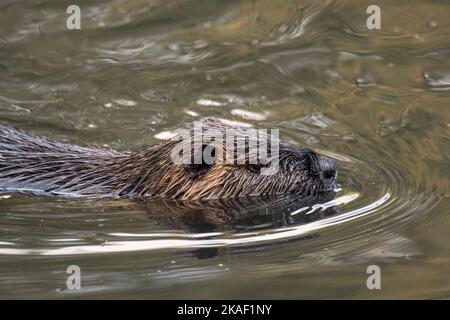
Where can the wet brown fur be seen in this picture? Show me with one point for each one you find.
(37, 165)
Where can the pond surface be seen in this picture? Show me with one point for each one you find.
(375, 101)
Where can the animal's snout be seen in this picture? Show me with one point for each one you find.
(327, 170)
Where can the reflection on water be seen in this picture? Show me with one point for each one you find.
(374, 101)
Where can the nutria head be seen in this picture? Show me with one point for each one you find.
(225, 168)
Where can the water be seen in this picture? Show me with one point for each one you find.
(375, 101)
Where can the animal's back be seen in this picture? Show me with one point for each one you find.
(16, 140)
(33, 164)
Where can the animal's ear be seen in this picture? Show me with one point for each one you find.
(203, 158)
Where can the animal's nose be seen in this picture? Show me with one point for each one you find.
(327, 168)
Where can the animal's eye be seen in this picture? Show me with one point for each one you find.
(255, 168)
(203, 159)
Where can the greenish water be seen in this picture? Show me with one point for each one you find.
(376, 101)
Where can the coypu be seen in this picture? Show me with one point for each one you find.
(38, 165)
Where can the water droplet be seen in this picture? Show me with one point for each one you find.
(438, 82)
(257, 116)
(165, 135)
(236, 123)
(209, 103)
(200, 44)
(192, 113)
(432, 24)
(125, 102)
(365, 81)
